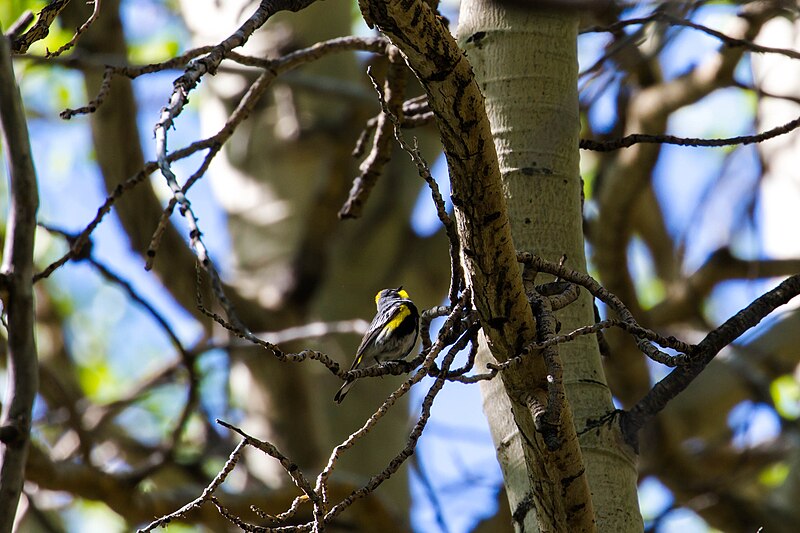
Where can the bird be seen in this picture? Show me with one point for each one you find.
(391, 335)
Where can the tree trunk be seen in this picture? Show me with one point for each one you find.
(526, 64)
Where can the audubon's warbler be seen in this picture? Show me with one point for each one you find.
(391, 335)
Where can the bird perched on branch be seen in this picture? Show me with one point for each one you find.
(391, 335)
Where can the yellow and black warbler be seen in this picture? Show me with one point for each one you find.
(391, 335)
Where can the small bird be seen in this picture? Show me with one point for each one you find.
(391, 335)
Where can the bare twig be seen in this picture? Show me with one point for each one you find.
(178, 100)
(392, 99)
(471, 336)
(276, 66)
(639, 138)
(249, 100)
(456, 271)
(230, 464)
(180, 97)
(208, 64)
(212, 143)
(82, 238)
(415, 113)
(284, 516)
(291, 468)
(430, 358)
(425, 320)
(612, 301)
(97, 101)
(376, 45)
(664, 16)
(279, 354)
(79, 31)
(411, 443)
(187, 359)
(633, 329)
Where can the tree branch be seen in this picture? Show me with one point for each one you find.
(41, 29)
(680, 378)
(640, 138)
(83, 27)
(732, 42)
(17, 292)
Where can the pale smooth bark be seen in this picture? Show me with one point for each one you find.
(554, 468)
(527, 67)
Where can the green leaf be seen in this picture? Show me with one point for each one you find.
(11, 11)
(785, 392)
(154, 50)
(774, 475)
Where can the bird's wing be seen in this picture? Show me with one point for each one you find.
(377, 326)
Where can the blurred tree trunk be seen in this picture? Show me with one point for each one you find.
(526, 64)
(282, 179)
(689, 447)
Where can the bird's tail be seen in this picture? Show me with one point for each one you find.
(342, 392)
